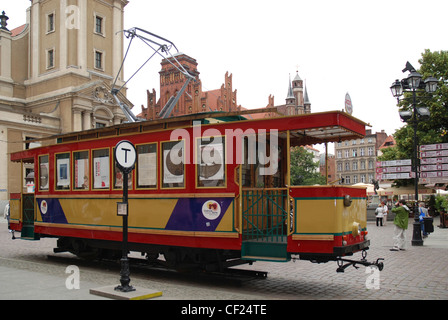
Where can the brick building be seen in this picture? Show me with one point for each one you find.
(196, 100)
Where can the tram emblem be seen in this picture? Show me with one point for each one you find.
(211, 209)
(43, 207)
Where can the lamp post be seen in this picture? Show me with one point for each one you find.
(413, 83)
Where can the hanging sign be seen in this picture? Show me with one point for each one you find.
(348, 104)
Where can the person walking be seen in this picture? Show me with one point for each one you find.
(379, 214)
(385, 213)
(423, 212)
(400, 225)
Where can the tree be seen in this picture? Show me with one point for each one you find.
(304, 169)
(434, 130)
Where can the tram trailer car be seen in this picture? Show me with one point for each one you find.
(228, 201)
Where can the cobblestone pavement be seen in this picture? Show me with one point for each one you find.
(417, 273)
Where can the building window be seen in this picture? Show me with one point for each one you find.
(339, 166)
(370, 151)
(50, 59)
(50, 23)
(363, 165)
(99, 60)
(99, 25)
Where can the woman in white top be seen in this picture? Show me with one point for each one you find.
(379, 215)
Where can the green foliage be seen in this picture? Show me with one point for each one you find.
(304, 169)
(441, 202)
(435, 129)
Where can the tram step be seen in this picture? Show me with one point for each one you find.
(264, 251)
(274, 259)
(28, 233)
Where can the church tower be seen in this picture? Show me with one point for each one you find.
(306, 102)
(290, 100)
(297, 85)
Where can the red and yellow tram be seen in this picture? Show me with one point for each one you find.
(209, 190)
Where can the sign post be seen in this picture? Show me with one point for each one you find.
(125, 156)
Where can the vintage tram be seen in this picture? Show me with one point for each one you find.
(210, 190)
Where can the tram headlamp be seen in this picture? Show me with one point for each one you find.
(347, 200)
(356, 229)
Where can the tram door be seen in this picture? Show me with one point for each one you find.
(28, 216)
(28, 201)
(264, 205)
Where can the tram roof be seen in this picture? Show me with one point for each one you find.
(305, 129)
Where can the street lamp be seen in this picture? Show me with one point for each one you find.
(411, 84)
(3, 23)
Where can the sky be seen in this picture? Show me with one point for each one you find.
(337, 47)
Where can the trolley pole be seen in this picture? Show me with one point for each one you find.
(125, 156)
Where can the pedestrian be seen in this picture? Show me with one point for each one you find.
(400, 225)
(423, 212)
(385, 212)
(6, 215)
(379, 214)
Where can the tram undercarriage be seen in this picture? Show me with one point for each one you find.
(183, 258)
(180, 258)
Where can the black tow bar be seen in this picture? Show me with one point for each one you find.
(341, 266)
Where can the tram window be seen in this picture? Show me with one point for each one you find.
(210, 162)
(43, 173)
(81, 174)
(256, 174)
(147, 166)
(118, 178)
(173, 170)
(101, 172)
(63, 171)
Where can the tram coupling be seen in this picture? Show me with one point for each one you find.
(345, 263)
